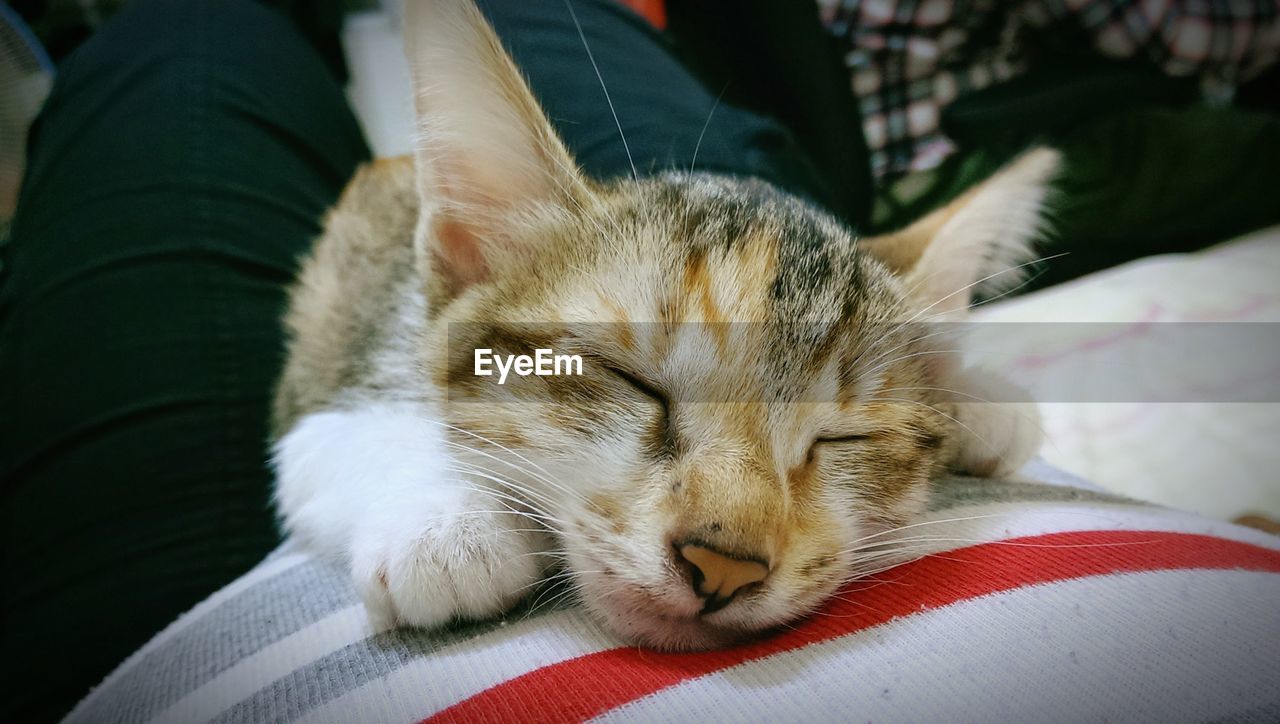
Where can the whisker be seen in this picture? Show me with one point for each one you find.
(496, 444)
(965, 288)
(481, 472)
(938, 412)
(1017, 544)
(927, 522)
(1022, 284)
(543, 476)
(554, 579)
(922, 353)
(590, 56)
(539, 604)
(988, 277)
(706, 124)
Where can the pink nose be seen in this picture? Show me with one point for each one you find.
(718, 577)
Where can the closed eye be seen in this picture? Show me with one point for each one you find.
(663, 444)
(640, 385)
(602, 362)
(841, 439)
(834, 440)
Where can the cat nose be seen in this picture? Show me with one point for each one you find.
(718, 577)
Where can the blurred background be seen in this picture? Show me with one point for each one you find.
(1168, 116)
(1167, 112)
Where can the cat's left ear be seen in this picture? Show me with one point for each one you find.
(977, 243)
(485, 153)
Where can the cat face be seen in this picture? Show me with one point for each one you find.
(756, 402)
(742, 391)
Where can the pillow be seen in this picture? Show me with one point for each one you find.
(1016, 600)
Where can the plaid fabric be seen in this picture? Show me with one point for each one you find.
(909, 58)
(1022, 602)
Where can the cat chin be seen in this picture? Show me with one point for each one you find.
(669, 633)
(657, 622)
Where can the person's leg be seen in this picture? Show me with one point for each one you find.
(777, 58)
(665, 110)
(183, 162)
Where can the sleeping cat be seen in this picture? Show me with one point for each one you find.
(758, 400)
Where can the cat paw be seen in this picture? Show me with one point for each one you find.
(428, 568)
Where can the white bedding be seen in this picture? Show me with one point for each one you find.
(1203, 453)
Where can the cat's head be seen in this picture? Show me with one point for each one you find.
(756, 400)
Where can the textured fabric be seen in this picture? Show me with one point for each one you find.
(182, 163)
(1106, 320)
(909, 59)
(1015, 601)
(777, 60)
(669, 118)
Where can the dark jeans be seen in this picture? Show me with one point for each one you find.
(181, 166)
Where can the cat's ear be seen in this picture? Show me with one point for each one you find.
(485, 152)
(980, 242)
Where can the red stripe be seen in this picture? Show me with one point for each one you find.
(590, 685)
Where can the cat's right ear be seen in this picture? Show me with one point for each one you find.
(485, 152)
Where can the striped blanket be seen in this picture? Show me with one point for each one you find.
(1020, 601)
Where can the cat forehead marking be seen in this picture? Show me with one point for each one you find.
(777, 286)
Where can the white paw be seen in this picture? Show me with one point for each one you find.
(999, 436)
(421, 566)
(376, 485)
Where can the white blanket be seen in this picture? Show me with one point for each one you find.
(1203, 453)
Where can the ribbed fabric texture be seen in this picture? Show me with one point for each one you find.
(1027, 601)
